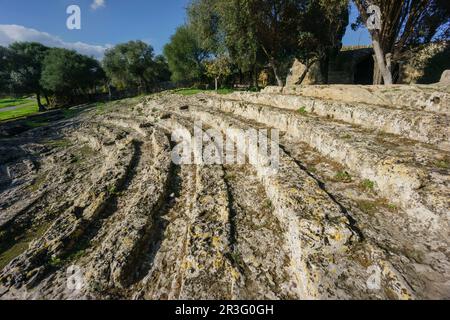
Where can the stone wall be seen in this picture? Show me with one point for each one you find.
(355, 66)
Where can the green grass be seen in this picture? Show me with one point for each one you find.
(70, 113)
(11, 102)
(62, 143)
(190, 92)
(368, 185)
(443, 163)
(55, 262)
(392, 206)
(343, 176)
(21, 244)
(25, 107)
(21, 111)
(347, 136)
(38, 183)
(368, 207)
(101, 108)
(36, 124)
(302, 111)
(311, 169)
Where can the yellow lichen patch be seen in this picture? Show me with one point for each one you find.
(234, 273)
(215, 241)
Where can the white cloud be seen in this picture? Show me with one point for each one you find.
(98, 4)
(10, 33)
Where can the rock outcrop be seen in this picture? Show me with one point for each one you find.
(94, 207)
(445, 78)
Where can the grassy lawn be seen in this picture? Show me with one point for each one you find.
(24, 107)
(11, 102)
(189, 92)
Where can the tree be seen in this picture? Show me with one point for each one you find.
(320, 33)
(162, 69)
(205, 23)
(224, 28)
(276, 25)
(4, 70)
(68, 74)
(403, 24)
(131, 65)
(218, 68)
(270, 32)
(185, 56)
(25, 68)
(242, 28)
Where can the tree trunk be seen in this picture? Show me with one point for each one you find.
(324, 68)
(254, 76)
(109, 92)
(41, 107)
(377, 78)
(382, 63)
(280, 82)
(47, 99)
(216, 83)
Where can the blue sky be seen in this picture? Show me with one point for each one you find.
(104, 23)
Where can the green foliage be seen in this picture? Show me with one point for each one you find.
(25, 66)
(240, 37)
(4, 71)
(368, 185)
(133, 65)
(162, 69)
(204, 22)
(436, 66)
(302, 111)
(56, 262)
(21, 70)
(404, 25)
(323, 25)
(343, 176)
(257, 33)
(218, 68)
(67, 73)
(185, 56)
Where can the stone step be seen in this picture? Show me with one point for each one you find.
(408, 173)
(114, 259)
(313, 221)
(434, 98)
(427, 127)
